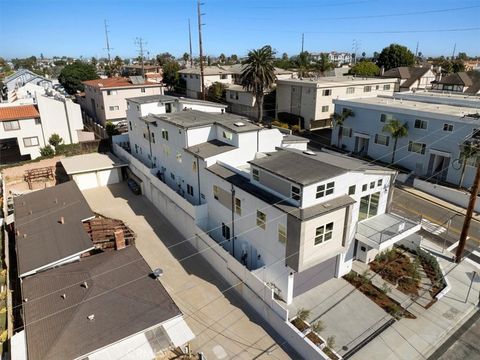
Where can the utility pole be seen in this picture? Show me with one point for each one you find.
(416, 51)
(107, 43)
(201, 47)
(303, 40)
(190, 40)
(453, 53)
(140, 43)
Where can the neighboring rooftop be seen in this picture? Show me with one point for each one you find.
(91, 162)
(120, 294)
(409, 74)
(170, 99)
(9, 113)
(119, 82)
(337, 81)
(435, 97)
(235, 69)
(210, 148)
(42, 237)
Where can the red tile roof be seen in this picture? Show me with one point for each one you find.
(18, 112)
(115, 82)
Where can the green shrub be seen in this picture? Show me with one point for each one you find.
(55, 140)
(68, 150)
(47, 151)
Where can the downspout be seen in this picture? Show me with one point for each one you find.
(390, 192)
(150, 145)
(258, 140)
(43, 133)
(198, 182)
(233, 221)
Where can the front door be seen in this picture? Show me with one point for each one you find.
(361, 145)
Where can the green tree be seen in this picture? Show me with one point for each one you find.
(467, 151)
(234, 58)
(365, 68)
(258, 75)
(111, 129)
(396, 130)
(47, 151)
(72, 75)
(164, 58)
(323, 64)
(303, 64)
(284, 56)
(339, 120)
(94, 61)
(115, 67)
(55, 140)
(170, 74)
(222, 58)
(216, 92)
(462, 56)
(185, 57)
(394, 56)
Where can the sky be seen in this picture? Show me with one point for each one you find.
(76, 28)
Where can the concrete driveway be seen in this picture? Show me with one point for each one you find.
(224, 326)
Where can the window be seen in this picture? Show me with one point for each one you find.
(38, 121)
(368, 206)
(350, 90)
(421, 124)
(130, 124)
(153, 138)
(225, 231)
(261, 219)
(382, 139)
(346, 131)
(194, 166)
(323, 190)
(190, 190)
(372, 184)
(113, 108)
(166, 150)
(295, 193)
(386, 117)
(172, 175)
(255, 175)
(323, 233)
(327, 92)
(448, 127)
(364, 187)
(416, 147)
(367, 88)
(30, 141)
(377, 87)
(215, 192)
(325, 108)
(179, 157)
(234, 95)
(379, 182)
(238, 206)
(136, 148)
(11, 125)
(227, 135)
(142, 90)
(351, 190)
(282, 233)
(111, 92)
(223, 76)
(165, 134)
(386, 87)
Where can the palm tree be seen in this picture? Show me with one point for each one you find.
(303, 64)
(258, 75)
(397, 130)
(323, 64)
(338, 120)
(467, 151)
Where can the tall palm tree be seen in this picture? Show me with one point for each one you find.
(338, 120)
(324, 64)
(258, 75)
(467, 151)
(303, 64)
(396, 130)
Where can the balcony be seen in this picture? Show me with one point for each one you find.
(384, 230)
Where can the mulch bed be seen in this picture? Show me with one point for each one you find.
(314, 338)
(299, 324)
(330, 354)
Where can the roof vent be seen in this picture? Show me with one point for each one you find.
(239, 124)
(24, 235)
(309, 152)
(25, 300)
(91, 317)
(157, 273)
(84, 285)
(64, 296)
(62, 220)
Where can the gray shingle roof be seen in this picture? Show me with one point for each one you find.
(121, 295)
(411, 74)
(210, 148)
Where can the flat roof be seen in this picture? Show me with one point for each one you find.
(210, 148)
(337, 81)
(91, 162)
(152, 99)
(118, 82)
(42, 239)
(383, 102)
(121, 295)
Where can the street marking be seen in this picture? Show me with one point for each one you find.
(453, 246)
(476, 253)
(472, 262)
(432, 227)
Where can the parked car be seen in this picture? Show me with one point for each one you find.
(133, 185)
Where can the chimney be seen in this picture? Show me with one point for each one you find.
(382, 71)
(62, 220)
(119, 239)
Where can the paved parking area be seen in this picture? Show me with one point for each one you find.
(223, 325)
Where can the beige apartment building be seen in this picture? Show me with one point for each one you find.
(105, 99)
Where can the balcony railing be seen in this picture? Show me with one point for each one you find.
(384, 227)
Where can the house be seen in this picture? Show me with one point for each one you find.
(21, 78)
(153, 73)
(461, 82)
(287, 214)
(338, 58)
(106, 306)
(311, 99)
(48, 228)
(411, 78)
(437, 127)
(25, 129)
(211, 74)
(104, 99)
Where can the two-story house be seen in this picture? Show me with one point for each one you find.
(411, 78)
(311, 99)
(105, 99)
(461, 82)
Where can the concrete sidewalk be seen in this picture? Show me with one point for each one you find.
(222, 323)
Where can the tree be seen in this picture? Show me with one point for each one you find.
(94, 61)
(285, 56)
(170, 74)
(216, 92)
(72, 75)
(323, 64)
(47, 151)
(258, 75)
(462, 56)
(111, 129)
(467, 151)
(115, 67)
(222, 58)
(338, 120)
(55, 140)
(234, 58)
(365, 68)
(186, 57)
(394, 56)
(364, 54)
(303, 64)
(375, 56)
(163, 58)
(396, 130)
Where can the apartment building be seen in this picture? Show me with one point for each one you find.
(311, 99)
(21, 78)
(104, 99)
(287, 214)
(437, 127)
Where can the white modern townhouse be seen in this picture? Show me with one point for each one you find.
(20, 78)
(437, 127)
(105, 99)
(411, 78)
(293, 217)
(311, 99)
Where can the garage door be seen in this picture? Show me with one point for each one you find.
(314, 276)
(86, 181)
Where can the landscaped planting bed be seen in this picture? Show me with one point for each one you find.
(397, 268)
(432, 269)
(378, 296)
